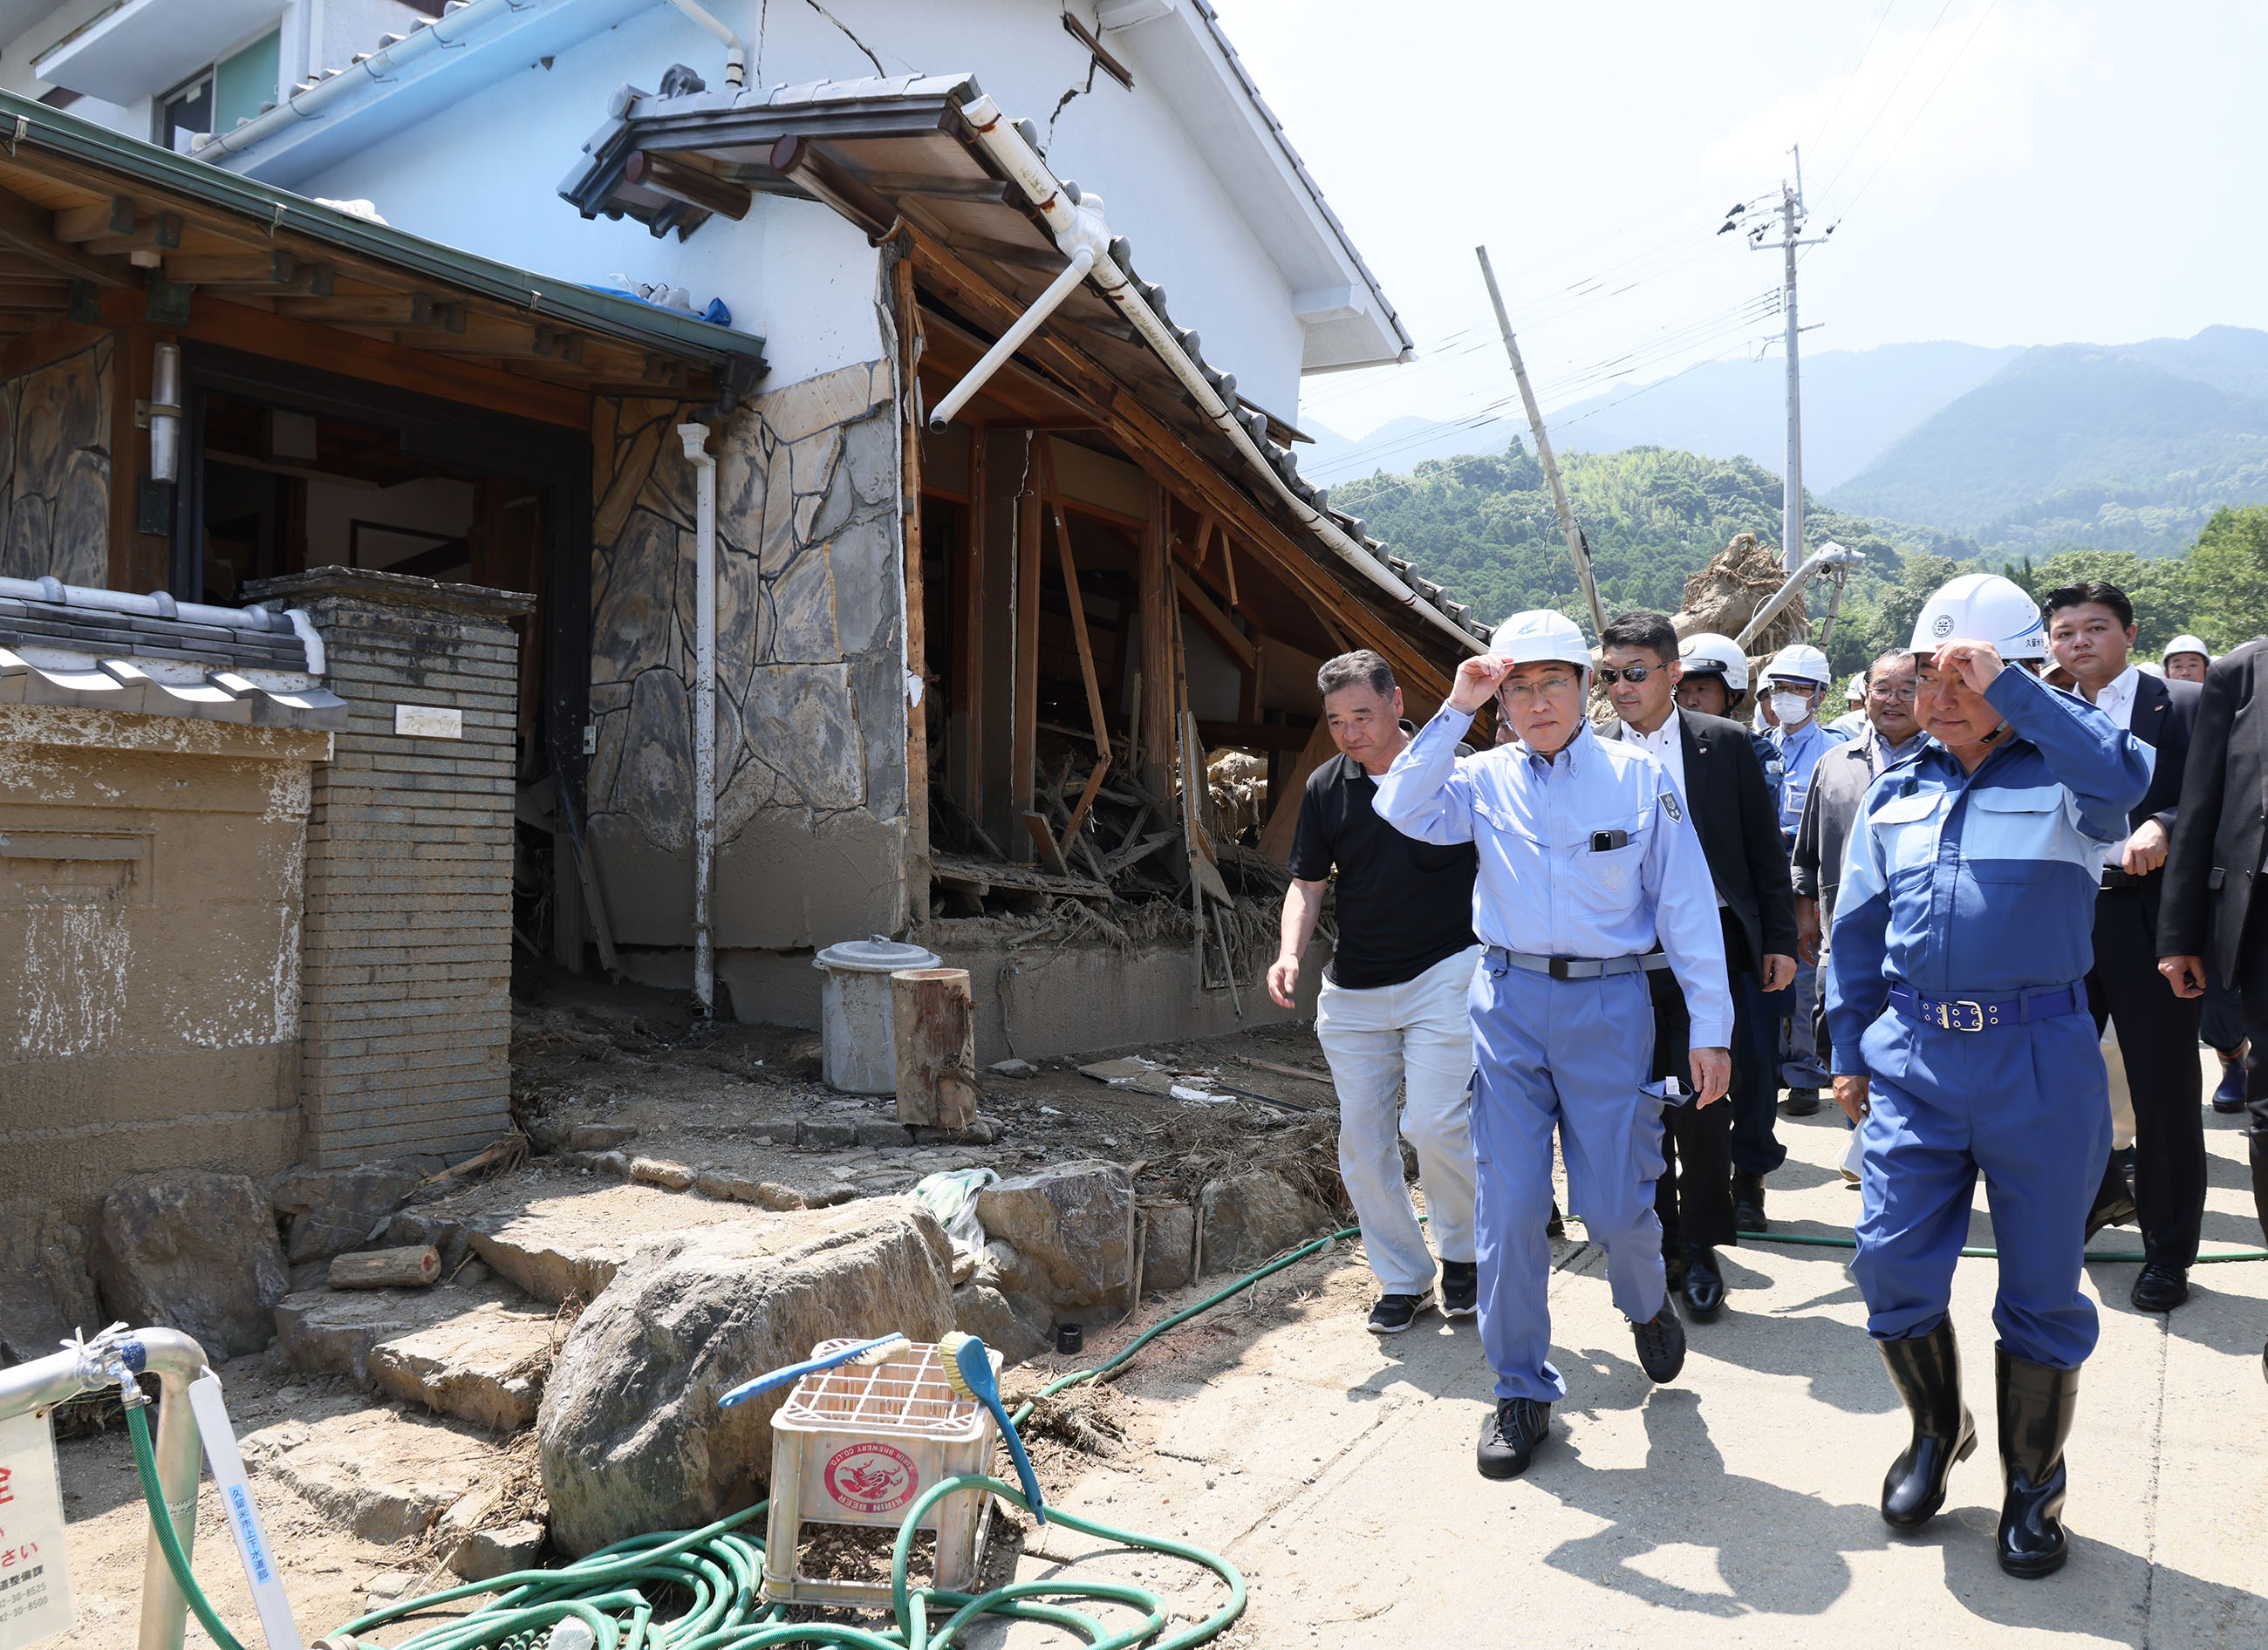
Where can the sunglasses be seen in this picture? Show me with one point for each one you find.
(1632, 672)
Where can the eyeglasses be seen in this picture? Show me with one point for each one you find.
(1520, 692)
(1882, 690)
(1630, 673)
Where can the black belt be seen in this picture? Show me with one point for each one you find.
(1579, 967)
(1985, 1014)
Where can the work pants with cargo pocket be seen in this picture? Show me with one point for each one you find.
(1574, 1055)
(2028, 1107)
(1415, 1039)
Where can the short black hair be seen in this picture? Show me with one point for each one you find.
(1362, 668)
(2096, 592)
(1642, 629)
(1892, 656)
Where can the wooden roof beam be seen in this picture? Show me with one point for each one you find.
(29, 229)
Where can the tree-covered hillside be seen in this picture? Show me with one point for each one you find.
(1484, 526)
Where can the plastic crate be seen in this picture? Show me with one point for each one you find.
(858, 1445)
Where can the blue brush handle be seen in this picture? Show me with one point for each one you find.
(777, 1378)
(1024, 1473)
(976, 1366)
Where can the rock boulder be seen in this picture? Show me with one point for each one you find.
(337, 1210)
(632, 1437)
(1252, 1217)
(1074, 1223)
(194, 1251)
(984, 1312)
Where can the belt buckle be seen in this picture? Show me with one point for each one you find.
(1951, 1015)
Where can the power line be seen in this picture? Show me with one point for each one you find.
(1850, 79)
(1885, 109)
(1975, 30)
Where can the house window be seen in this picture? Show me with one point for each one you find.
(185, 111)
(232, 90)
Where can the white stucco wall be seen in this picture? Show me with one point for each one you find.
(483, 174)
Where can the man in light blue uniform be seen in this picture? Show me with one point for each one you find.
(1961, 1042)
(1794, 685)
(1585, 859)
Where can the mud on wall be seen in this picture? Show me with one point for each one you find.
(55, 469)
(811, 717)
(151, 875)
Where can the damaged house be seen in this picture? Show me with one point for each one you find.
(859, 497)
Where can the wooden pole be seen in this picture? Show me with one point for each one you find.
(1156, 717)
(410, 1268)
(909, 348)
(933, 1023)
(1022, 755)
(1086, 644)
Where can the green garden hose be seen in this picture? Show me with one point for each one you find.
(145, 1462)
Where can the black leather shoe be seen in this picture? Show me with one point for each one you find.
(1509, 1437)
(1460, 1288)
(1927, 1371)
(1556, 1227)
(2035, 1402)
(2161, 1288)
(2114, 1200)
(1660, 1344)
(1702, 1287)
(1748, 1202)
(1803, 1102)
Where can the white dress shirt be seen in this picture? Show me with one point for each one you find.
(2116, 699)
(1666, 745)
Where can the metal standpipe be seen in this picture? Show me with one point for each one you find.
(111, 1357)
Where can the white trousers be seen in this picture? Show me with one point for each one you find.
(1415, 1037)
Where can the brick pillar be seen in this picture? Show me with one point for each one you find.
(406, 974)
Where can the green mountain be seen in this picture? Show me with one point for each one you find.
(2113, 449)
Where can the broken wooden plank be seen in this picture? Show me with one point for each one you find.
(1200, 601)
(984, 876)
(1036, 826)
(1281, 1069)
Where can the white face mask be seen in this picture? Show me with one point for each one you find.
(1793, 709)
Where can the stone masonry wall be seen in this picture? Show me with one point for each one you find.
(811, 697)
(55, 469)
(407, 967)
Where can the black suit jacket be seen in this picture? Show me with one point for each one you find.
(2164, 717)
(2217, 831)
(1739, 822)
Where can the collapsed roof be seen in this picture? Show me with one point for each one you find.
(932, 151)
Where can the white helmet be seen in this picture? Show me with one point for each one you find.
(1982, 607)
(2187, 643)
(2151, 667)
(1800, 661)
(1856, 693)
(1541, 636)
(1706, 653)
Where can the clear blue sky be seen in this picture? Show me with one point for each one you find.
(2004, 172)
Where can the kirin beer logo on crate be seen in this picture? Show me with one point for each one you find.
(872, 1478)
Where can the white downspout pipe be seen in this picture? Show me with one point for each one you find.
(1062, 287)
(705, 709)
(1828, 555)
(1076, 228)
(736, 55)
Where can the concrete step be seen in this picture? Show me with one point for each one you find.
(570, 1246)
(486, 1366)
(385, 1474)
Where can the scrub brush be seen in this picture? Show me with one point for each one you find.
(863, 1351)
(968, 1371)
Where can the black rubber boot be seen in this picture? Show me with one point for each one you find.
(2259, 1146)
(2035, 1404)
(1927, 1371)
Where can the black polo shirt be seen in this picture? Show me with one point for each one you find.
(1403, 905)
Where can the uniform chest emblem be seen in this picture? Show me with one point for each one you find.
(1670, 802)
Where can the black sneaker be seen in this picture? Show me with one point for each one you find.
(1803, 1102)
(1660, 1344)
(1509, 1437)
(1460, 1288)
(1394, 1313)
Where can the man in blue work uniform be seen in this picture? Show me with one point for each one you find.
(1586, 859)
(1961, 1042)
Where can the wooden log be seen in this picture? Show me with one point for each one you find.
(413, 1267)
(933, 1023)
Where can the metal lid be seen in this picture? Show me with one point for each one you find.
(877, 955)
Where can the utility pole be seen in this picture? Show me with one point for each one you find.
(1791, 217)
(1576, 547)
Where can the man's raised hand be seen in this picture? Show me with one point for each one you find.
(1478, 680)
